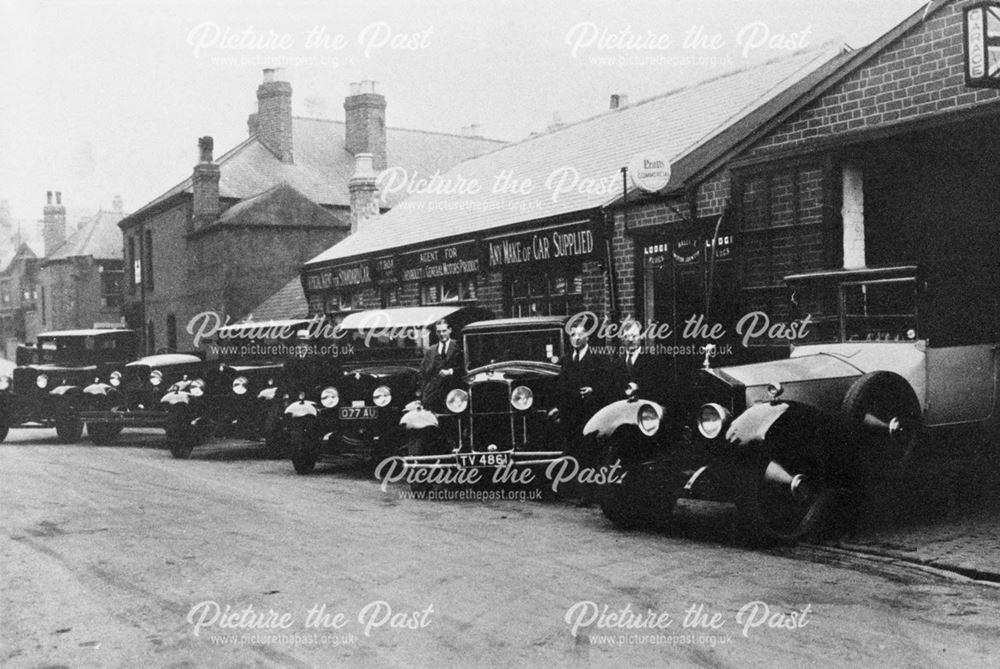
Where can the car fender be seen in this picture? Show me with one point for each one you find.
(63, 391)
(99, 389)
(623, 412)
(301, 409)
(175, 397)
(268, 393)
(751, 426)
(418, 419)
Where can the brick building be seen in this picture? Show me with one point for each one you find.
(18, 298)
(242, 224)
(80, 277)
(529, 228)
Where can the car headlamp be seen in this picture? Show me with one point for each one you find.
(329, 397)
(522, 398)
(42, 381)
(382, 396)
(240, 384)
(712, 420)
(457, 400)
(648, 420)
(156, 377)
(4, 382)
(115, 379)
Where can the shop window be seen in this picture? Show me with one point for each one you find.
(345, 300)
(447, 291)
(389, 297)
(546, 294)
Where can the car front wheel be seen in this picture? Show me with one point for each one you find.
(4, 429)
(303, 460)
(782, 503)
(640, 494)
(69, 429)
(103, 435)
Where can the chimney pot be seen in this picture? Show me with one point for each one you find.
(474, 130)
(58, 198)
(205, 146)
(48, 197)
(268, 75)
(618, 100)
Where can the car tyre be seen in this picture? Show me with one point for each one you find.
(303, 461)
(769, 514)
(69, 430)
(881, 462)
(101, 434)
(418, 443)
(4, 429)
(638, 499)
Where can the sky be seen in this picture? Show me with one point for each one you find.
(106, 97)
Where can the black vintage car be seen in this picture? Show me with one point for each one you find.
(355, 411)
(501, 417)
(258, 364)
(131, 396)
(878, 376)
(46, 388)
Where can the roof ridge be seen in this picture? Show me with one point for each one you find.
(401, 128)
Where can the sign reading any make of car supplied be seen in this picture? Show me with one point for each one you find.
(649, 171)
(562, 242)
(441, 261)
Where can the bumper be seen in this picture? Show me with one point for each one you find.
(126, 418)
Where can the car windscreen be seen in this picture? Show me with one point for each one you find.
(876, 310)
(378, 343)
(82, 350)
(483, 348)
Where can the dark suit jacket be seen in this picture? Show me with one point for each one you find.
(434, 386)
(592, 371)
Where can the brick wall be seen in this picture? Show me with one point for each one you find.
(921, 73)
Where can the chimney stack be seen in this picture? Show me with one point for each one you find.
(364, 192)
(556, 123)
(273, 122)
(205, 186)
(619, 100)
(365, 128)
(53, 223)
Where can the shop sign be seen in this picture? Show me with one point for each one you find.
(649, 171)
(572, 241)
(982, 45)
(440, 262)
(355, 274)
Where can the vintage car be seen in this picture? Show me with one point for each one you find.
(132, 395)
(829, 433)
(355, 411)
(47, 384)
(502, 415)
(257, 365)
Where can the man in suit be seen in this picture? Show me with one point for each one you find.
(581, 392)
(644, 375)
(441, 368)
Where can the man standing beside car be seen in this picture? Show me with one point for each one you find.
(581, 391)
(440, 369)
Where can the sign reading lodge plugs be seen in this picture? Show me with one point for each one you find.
(982, 45)
(649, 171)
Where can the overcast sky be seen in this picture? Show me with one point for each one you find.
(106, 97)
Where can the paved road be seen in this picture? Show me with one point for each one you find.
(123, 557)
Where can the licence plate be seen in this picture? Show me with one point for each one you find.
(353, 413)
(501, 459)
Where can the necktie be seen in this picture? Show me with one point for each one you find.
(576, 356)
(441, 347)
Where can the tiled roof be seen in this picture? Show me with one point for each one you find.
(593, 151)
(281, 204)
(99, 237)
(323, 166)
(288, 303)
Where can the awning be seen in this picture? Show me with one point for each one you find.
(401, 317)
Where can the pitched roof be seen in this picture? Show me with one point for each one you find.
(99, 237)
(323, 166)
(22, 251)
(288, 303)
(587, 155)
(280, 204)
